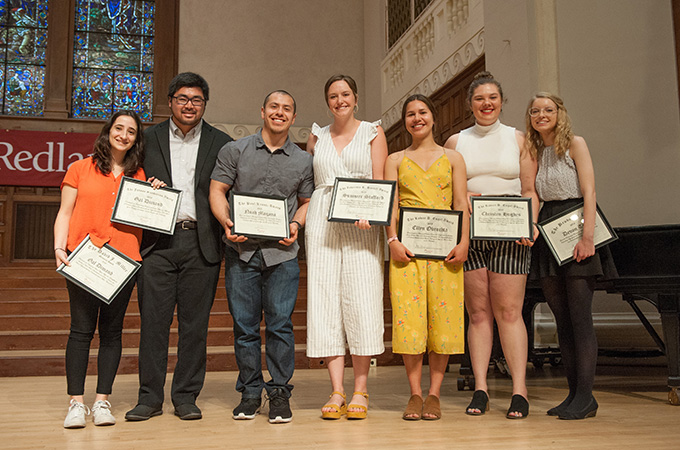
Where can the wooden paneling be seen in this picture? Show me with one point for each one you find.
(5, 223)
(34, 326)
(676, 28)
(26, 222)
(33, 230)
(166, 51)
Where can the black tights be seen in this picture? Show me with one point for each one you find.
(86, 312)
(571, 299)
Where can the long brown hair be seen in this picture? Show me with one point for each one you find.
(563, 133)
(428, 103)
(134, 158)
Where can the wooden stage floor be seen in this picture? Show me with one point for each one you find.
(634, 413)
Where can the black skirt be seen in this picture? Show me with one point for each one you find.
(544, 264)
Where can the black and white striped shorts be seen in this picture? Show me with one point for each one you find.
(504, 257)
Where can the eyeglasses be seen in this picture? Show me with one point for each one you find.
(196, 101)
(534, 112)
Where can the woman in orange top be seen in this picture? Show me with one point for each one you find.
(88, 194)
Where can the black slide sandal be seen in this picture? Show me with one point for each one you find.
(520, 405)
(480, 401)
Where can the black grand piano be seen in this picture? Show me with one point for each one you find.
(647, 259)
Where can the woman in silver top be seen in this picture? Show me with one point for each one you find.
(564, 180)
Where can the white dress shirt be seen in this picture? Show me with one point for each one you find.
(183, 153)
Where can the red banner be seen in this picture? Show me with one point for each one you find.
(40, 158)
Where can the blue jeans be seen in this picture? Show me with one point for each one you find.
(253, 288)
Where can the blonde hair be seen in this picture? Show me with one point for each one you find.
(563, 132)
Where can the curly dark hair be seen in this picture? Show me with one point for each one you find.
(134, 158)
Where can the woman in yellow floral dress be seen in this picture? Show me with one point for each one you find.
(427, 294)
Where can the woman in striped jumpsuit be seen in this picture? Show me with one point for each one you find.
(344, 261)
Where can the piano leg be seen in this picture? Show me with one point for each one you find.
(669, 308)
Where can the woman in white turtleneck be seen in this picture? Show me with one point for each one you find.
(496, 271)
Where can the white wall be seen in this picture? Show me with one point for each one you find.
(247, 48)
(374, 50)
(617, 76)
(507, 30)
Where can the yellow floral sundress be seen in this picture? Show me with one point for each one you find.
(426, 294)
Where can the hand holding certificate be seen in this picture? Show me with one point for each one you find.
(429, 233)
(259, 216)
(501, 218)
(140, 205)
(563, 231)
(101, 271)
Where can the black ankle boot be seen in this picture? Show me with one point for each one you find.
(590, 410)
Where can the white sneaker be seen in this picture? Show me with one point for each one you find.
(76, 415)
(101, 413)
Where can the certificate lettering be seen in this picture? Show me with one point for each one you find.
(101, 271)
(139, 205)
(355, 199)
(259, 216)
(429, 233)
(563, 231)
(501, 218)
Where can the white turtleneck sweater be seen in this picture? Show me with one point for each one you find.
(491, 158)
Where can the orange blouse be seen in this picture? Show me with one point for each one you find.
(95, 200)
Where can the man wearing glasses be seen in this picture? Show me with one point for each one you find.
(179, 270)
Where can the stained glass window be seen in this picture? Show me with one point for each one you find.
(113, 57)
(23, 39)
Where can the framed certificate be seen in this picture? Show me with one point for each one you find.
(355, 199)
(429, 233)
(563, 231)
(501, 218)
(259, 215)
(101, 271)
(140, 205)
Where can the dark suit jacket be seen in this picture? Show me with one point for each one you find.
(157, 164)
